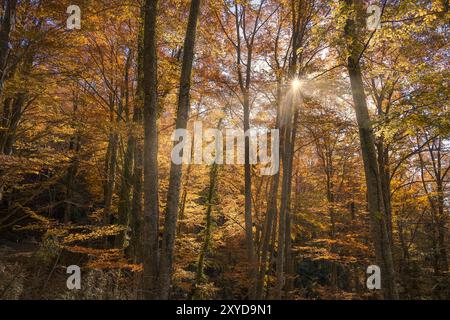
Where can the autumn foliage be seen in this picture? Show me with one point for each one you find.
(87, 179)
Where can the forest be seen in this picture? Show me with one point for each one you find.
(224, 150)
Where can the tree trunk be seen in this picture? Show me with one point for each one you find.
(16, 115)
(6, 26)
(151, 206)
(286, 125)
(442, 218)
(6, 114)
(248, 198)
(272, 207)
(127, 166)
(136, 217)
(74, 146)
(173, 194)
(383, 165)
(289, 264)
(110, 165)
(207, 237)
(288, 132)
(376, 206)
(124, 205)
(185, 190)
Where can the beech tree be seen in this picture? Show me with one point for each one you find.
(87, 120)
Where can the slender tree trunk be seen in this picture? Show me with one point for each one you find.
(383, 164)
(288, 132)
(173, 194)
(271, 214)
(438, 225)
(376, 206)
(244, 85)
(16, 115)
(404, 264)
(271, 266)
(6, 114)
(377, 210)
(151, 206)
(6, 26)
(286, 156)
(74, 147)
(185, 190)
(124, 205)
(442, 229)
(433, 210)
(248, 198)
(442, 217)
(207, 237)
(70, 178)
(289, 264)
(330, 199)
(266, 235)
(136, 213)
(110, 165)
(17, 107)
